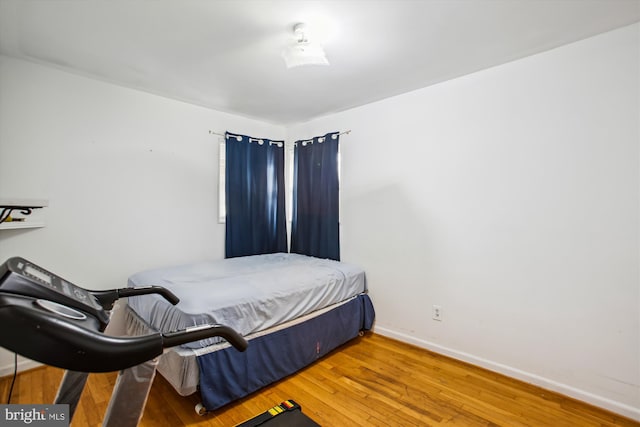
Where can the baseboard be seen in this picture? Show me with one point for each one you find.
(546, 383)
(23, 365)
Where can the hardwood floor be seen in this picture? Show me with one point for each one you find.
(372, 381)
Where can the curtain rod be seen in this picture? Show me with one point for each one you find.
(236, 134)
(346, 132)
(307, 141)
(260, 141)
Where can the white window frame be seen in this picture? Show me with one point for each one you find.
(222, 183)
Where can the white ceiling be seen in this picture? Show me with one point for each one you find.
(226, 55)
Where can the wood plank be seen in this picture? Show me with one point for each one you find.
(372, 381)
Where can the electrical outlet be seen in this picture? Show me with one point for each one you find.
(437, 313)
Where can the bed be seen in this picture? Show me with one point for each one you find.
(292, 309)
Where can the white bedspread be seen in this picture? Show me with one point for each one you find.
(249, 294)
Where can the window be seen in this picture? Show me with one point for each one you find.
(222, 179)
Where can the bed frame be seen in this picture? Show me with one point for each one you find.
(225, 375)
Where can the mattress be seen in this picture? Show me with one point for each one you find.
(249, 294)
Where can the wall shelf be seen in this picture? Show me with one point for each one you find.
(20, 209)
(21, 224)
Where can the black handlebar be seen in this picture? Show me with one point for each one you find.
(145, 290)
(108, 298)
(198, 333)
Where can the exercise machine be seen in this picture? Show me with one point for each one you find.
(286, 414)
(48, 319)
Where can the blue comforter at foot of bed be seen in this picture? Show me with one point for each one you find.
(227, 375)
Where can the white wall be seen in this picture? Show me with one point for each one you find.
(131, 178)
(510, 197)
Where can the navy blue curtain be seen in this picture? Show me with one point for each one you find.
(255, 194)
(315, 228)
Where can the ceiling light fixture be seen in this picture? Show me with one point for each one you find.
(304, 51)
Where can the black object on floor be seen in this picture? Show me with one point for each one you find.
(286, 414)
